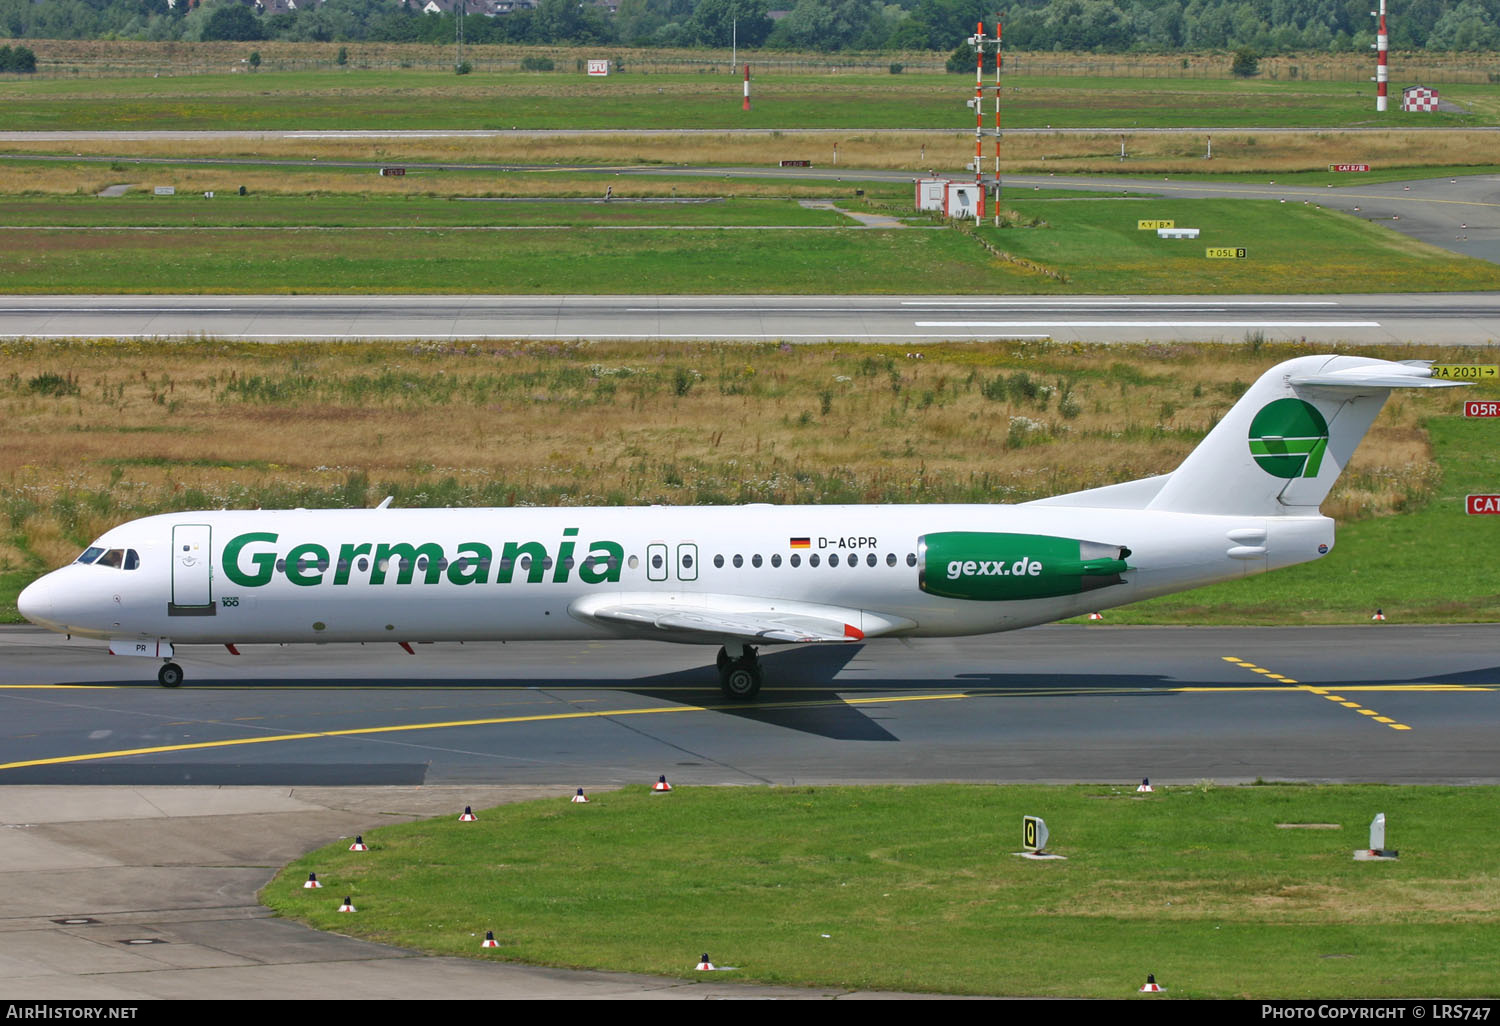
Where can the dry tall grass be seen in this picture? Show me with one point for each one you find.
(98, 433)
(538, 157)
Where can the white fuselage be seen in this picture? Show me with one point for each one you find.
(406, 575)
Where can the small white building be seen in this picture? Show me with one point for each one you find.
(961, 200)
(930, 193)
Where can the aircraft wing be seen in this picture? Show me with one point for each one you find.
(710, 619)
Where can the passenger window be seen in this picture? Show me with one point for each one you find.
(812, 560)
(833, 559)
(755, 560)
(776, 559)
(719, 562)
(870, 559)
(796, 559)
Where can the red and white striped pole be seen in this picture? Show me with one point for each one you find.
(747, 87)
(979, 121)
(1382, 48)
(997, 121)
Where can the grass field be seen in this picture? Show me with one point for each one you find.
(99, 433)
(1217, 891)
(349, 211)
(397, 99)
(1073, 245)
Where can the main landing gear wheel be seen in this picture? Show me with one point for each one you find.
(170, 675)
(740, 678)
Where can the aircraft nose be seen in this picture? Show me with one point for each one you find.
(35, 601)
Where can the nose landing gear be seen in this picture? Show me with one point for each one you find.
(739, 674)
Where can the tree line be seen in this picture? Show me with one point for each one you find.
(827, 26)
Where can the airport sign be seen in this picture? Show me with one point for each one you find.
(1481, 408)
(1475, 505)
(1152, 225)
(1226, 252)
(1466, 371)
(598, 67)
(1348, 167)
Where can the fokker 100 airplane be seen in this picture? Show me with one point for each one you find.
(1243, 502)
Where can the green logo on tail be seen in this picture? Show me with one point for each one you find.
(1288, 439)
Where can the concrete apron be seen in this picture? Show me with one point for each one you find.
(167, 877)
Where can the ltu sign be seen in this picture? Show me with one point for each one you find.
(598, 67)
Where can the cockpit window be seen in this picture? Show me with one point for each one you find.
(119, 559)
(90, 554)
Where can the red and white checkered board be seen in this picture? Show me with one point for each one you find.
(1419, 100)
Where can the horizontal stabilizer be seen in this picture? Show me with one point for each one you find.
(1384, 375)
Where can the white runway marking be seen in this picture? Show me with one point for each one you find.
(1209, 303)
(1148, 324)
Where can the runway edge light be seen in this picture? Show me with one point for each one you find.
(580, 798)
(1151, 986)
(468, 816)
(661, 786)
(348, 905)
(1145, 787)
(359, 843)
(1377, 852)
(489, 940)
(1379, 615)
(312, 882)
(704, 965)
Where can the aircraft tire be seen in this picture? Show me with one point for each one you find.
(169, 676)
(740, 680)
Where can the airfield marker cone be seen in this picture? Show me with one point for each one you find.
(468, 816)
(1145, 787)
(1096, 616)
(1150, 987)
(580, 798)
(347, 906)
(1379, 615)
(661, 786)
(312, 882)
(359, 844)
(489, 940)
(704, 965)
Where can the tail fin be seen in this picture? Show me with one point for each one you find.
(1282, 446)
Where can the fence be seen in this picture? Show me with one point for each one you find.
(89, 59)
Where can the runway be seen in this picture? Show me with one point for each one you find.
(1419, 318)
(1063, 703)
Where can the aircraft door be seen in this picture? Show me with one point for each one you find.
(656, 562)
(687, 562)
(192, 567)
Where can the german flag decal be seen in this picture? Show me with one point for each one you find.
(801, 543)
